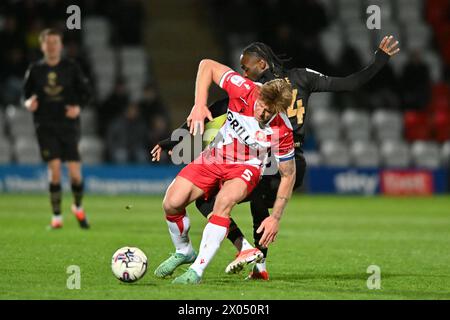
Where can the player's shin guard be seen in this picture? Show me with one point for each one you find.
(77, 191)
(213, 235)
(179, 226)
(55, 198)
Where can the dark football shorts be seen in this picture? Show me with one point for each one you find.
(58, 143)
(267, 188)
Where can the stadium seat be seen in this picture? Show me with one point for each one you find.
(441, 125)
(20, 122)
(335, 153)
(321, 101)
(418, 36)
(410, 10)
(96, 32)
(395, 154)
(88, 119)
(417, 125)
(5, 151)
(445, 153)
(91, 149)
(434, 62)
(326, 125)
(26, 151)
(387, 124)
(332, 44)
(2, 123)
(364, 154)
(426, 154)
(349, 10)
(440, 97)
(356, 124)
(312, 158)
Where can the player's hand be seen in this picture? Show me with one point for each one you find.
(389, 45)
(32, 103)
(72, 111)
(156, 153)
(196, 119)
(270, 226)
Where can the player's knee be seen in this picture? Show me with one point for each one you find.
(172, 205)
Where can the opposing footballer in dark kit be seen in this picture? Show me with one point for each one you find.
(55, 89)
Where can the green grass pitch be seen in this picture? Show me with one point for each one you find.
(323, 249)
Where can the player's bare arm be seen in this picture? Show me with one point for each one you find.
(270, 225)
(209, 71)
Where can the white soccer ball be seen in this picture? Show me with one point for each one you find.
(129, 264)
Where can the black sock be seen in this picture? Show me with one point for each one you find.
(259, 213)
(55, 198)
(77, 191)
(234, 232)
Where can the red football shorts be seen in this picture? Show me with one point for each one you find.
(210, 176)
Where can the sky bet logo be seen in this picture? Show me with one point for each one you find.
(355, 182)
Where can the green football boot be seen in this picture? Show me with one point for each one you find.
(167, 267)
(189, 277)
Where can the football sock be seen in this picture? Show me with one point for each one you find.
(235, 235)
(213, 235)
(179, 225)
(261, 266)
(242, 244)
(259, 212)
(77, 191)
(55, 198)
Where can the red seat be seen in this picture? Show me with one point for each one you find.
(417, 126)
(440, 99)
(441, 124)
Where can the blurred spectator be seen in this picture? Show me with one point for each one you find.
(416, 83)
(383, 90)
(158, 130)
(127, 137)
(113, 105)
(151, 104)
(12, 73)
(10, 36)
(349, 62)
(32, 39)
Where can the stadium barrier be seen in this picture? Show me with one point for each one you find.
(373, 181)
(154, 179)
(104, 179)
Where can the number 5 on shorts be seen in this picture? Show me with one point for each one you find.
(247, 175)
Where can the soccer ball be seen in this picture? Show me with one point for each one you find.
(129, 264)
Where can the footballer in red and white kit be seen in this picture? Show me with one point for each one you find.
(242, 145)
(256, 125)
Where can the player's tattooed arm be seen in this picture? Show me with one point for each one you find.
(287, 172)
(270, 225)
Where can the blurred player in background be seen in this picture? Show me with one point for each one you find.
(54, 91)
(232, 164)
(259, 63)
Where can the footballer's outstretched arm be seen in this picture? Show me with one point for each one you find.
(209, 71)
(270, 224)
(319, 83)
